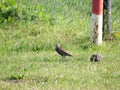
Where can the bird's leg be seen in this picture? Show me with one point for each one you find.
(63, 57)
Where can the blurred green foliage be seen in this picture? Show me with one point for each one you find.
(8, 12)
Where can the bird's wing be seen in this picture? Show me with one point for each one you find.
(64, 51)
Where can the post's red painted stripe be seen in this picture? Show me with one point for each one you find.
(97, 7)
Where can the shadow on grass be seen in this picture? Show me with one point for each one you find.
(40, 79)
(14, 78)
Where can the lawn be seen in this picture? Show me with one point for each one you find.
(28, 60)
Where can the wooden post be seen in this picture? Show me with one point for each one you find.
(97, 22)
(106, 17)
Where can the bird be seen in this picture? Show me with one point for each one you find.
(96, 58)
(61, 51)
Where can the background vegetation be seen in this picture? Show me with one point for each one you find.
(28, 34)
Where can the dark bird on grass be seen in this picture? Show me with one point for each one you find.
(96, 58)
(61, 51)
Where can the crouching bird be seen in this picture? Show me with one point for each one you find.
(61, 51)
(96, 58)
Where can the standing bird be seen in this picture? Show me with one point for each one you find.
(61, 51)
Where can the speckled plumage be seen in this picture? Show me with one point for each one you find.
(96, 58)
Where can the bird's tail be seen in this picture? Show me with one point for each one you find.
(70, 55)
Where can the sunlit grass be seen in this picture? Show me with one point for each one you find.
(28, 60)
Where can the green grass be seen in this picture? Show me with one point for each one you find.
(28, 60)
